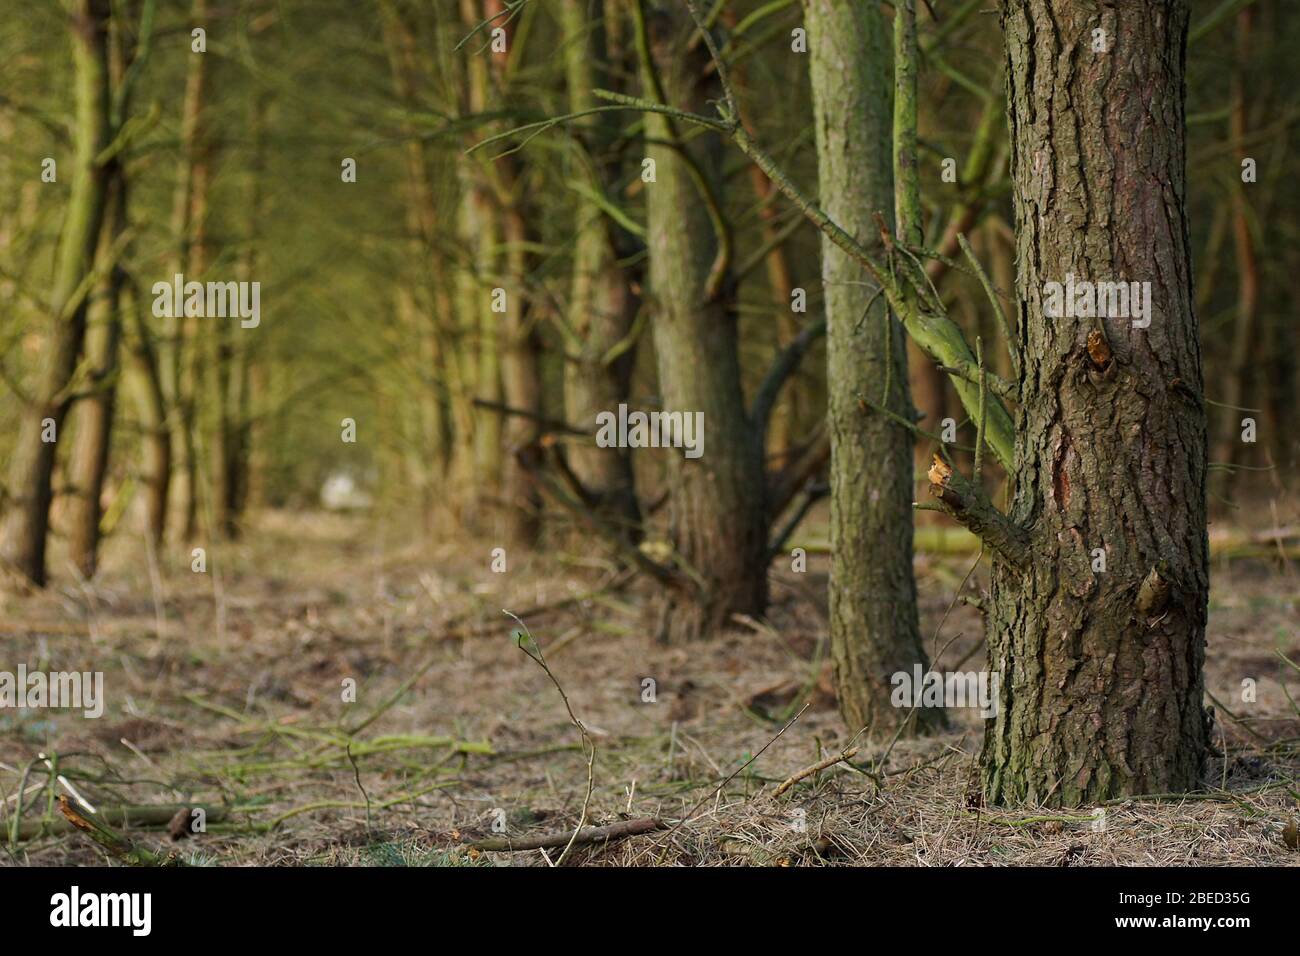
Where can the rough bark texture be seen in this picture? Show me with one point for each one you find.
(874, 626)
(1101, 685)
(718, 522)
(26, 521)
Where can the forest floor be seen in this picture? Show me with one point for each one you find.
(226, 689)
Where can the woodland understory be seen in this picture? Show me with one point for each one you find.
(231, 702)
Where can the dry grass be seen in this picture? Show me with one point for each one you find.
(238, 702)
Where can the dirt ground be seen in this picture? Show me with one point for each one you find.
(226, 688)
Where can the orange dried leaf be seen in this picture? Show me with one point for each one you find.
(939, 472)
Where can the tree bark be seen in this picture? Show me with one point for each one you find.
(516, 341)
(93, 415)
(718, 525)
(874, 627)
(1244, 345)
(488, 427)
(151, 405)
(521, 381)
(783, 431)
(179, 347)
(602, 304)
(427, 316)
(1100, 671)
(26, 523)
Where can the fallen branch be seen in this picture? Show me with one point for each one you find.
(139, 817)
(818, 767)
(113, 842)
(583, 836)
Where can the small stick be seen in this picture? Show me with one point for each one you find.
(818, 767)
(1013, 348)
(613, 831)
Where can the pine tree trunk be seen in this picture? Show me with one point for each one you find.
(718, 523)
(874, 628)
(178, 363)
(602, 305)
(93, 415)
(488, 426)
(151, 405)
(783, 432)
(521, 381)
(423, 305)
(1245, 347)
(517, 342)
(1100, 671)
(26, 522)
(238, 397)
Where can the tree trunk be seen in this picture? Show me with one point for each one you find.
(602, 304)
(873, 618)
(718, 523)
(783, 433)
(177, 365)
(1245, 346)
(426, 316)
(26, 523)
(522, 387)
(516, 341)
(1100, 671)
(152, 409)
(93, 415)
(487, 323)
(237, 400)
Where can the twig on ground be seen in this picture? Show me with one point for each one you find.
(843, 755)
(579, 837)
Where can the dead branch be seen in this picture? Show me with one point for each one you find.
(585, 835)
(842, 756)
(967, 502)
(112, 841)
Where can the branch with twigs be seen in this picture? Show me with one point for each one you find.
(581, 837)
